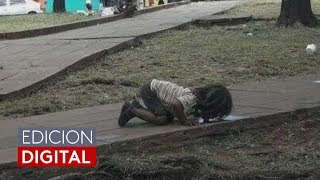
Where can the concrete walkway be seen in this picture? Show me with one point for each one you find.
(25, 62)
(251, 100)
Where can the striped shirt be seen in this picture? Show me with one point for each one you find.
(167, 92)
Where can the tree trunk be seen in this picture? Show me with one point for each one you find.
(293, 11)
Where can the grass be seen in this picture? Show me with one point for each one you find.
(27, 22)
(266, 9)
(190, 57)
(285, 151)
(258, 8)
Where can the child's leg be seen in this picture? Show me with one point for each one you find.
(135, 109)
(148, 116)
(125, 114)
(155, 112)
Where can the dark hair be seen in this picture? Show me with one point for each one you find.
(213, 101)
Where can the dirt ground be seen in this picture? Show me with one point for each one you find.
(286, 151)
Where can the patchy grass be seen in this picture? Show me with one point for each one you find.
(190, 57)
(286, 151)
(27, 22)
(266, 9)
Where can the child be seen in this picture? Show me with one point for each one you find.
(127, 7)
(165, 100)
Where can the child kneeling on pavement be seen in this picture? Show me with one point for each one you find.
(165, 100)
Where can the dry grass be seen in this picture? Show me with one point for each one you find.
(287, 151)
(27, 22)
(190, 57)
(266, 9)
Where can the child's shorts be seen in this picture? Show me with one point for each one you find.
(153, 103)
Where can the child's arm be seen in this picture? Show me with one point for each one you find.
(177, 110)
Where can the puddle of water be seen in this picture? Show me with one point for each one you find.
(228, 118)
(234, 117)
(316, 82)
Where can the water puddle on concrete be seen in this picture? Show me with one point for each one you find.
(316, 82)
(228, 118)
(235, 117)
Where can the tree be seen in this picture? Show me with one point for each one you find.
(293, 11)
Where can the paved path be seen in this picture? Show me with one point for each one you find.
(250, 100)
(25, 62)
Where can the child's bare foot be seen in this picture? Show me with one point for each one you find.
(125, 114)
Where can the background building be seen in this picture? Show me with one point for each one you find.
(70, 5)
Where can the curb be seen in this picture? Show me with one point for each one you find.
(90, 59)
(75, 66)
(264, 19)
(222, 20)
(160, 7)
(70, 26)
(80, 64)
(184, 137)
